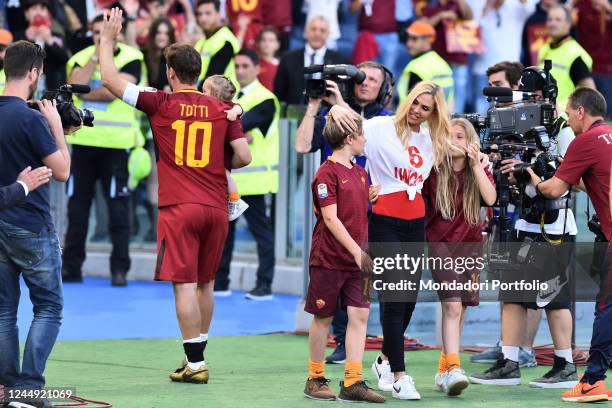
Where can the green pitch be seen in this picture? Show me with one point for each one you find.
(249, 371)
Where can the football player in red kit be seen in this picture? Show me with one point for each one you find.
(190, 131)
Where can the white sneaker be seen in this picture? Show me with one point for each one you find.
(236, 208)
(404, 389)
(222, 293)
(383, 374)
(440, 379)
(455, 382)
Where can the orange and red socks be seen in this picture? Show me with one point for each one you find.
(352, 373)
(452, 361)
(316, 370)
(442, 363)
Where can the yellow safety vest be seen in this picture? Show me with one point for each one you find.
(2, 80)
(562, 59)
(429, 67)
(116, 124)
(209, 47)
(261, 176)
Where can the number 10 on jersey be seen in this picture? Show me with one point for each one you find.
(179, 126)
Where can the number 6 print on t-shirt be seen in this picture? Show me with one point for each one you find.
(192, 136)
(416, 160)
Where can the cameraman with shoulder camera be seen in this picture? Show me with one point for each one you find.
(28, 243)
(545, 230)
(589, 157)
(370, 98)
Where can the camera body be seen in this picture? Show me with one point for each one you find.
(346, 76)
(71, 115)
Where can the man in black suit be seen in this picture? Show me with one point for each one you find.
(28, 180)
(290, 82)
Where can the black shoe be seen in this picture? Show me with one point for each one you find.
(504, 372)
(118, 279)
(561, 375)
(338, 356)
(71, 277)
(260, 293)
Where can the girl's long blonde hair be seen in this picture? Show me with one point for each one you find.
(446, 189)
(438, 122)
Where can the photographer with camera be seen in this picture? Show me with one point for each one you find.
(544, 228)
(589, 157)
(368, 100)
(29, 245)
(101, 153)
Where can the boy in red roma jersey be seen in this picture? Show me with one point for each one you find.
(190, 131)
(340, 196)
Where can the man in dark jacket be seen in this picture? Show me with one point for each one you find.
(290, 82)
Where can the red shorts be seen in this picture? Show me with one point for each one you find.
(190, 241)
(327, 286)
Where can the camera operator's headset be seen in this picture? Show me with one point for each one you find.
(549, 86)
(386, 89)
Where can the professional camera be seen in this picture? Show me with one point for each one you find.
(518, 125)
(346, 76)
(70, 114)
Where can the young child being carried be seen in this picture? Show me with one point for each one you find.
(220, 87)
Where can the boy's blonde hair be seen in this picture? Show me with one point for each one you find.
(335, 135)
(221, 87)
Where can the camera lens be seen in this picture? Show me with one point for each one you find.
(87, 116)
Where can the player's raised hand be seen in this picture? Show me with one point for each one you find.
(111, 26)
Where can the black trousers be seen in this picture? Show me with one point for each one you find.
(395, 316)
(90, 164)
(262, 228)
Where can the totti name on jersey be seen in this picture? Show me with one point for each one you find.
(193, 111)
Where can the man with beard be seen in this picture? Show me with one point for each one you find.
(28, 243)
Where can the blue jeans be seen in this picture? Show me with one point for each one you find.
(461, 77)
(480, 101)
(604, 85)
(600, 352)
(37, 257)
(389, 48)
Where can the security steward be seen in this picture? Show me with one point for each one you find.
(101, 153)
(426, 64)
(219, 45)
(261, 123)
(572, 66)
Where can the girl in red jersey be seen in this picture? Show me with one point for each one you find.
(453, 193)
(340, 196)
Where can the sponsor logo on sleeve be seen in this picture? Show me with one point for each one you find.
(322, 190)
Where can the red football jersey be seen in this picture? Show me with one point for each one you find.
(190, 131)
(335, 183)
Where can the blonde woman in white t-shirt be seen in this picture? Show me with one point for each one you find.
(401, 152)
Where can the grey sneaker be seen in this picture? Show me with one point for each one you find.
(561, 375)
(504, 372)
(527, 359)
(489, 356)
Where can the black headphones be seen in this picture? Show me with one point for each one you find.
(550, 88)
